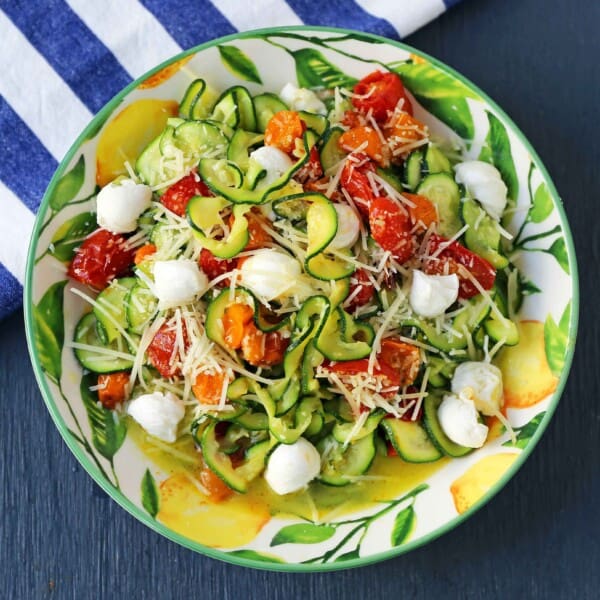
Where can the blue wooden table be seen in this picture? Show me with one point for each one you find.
(62, 537)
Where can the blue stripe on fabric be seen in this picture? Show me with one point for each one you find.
(450, 3)
(339, 13)
(11, 292)
(191, 23)
(72, 49)
(26, 166)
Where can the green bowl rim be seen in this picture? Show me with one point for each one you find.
(125, 502)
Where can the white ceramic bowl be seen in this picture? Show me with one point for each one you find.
(433, 503)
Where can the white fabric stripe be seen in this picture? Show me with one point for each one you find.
(405, 15)
(132, 33)
(250, 15)
(16, 226)
(37, 94)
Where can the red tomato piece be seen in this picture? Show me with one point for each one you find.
(312, 170)
(180, 193)
(361, 280)
(404, 358)
(379, 93)
(390, 377)
(214, 266)
(355, 181)
(112, 388)
(161, 351)
(391, 228)
(101, 257)
(458, 258)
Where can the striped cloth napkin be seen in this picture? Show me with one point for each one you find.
(62, 60)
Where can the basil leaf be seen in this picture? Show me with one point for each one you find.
(49, 331)
(239, 64)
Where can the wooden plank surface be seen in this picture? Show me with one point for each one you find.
(62, 537)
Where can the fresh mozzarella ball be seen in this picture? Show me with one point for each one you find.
(120, 203)
(274, 161)
(484, 183)
(459, 421)
(177, 282)
(302, 99)
(431, 295)
(159, 414)
(292, 466)
(270, 273)
(482, 382)
(348, 227)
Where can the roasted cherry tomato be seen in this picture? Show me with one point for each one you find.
(101, 257)
(257, 236)
(214, 266)
(262, 349)
(361, 280)
(380, 93)
(355, 181)
(404, 358)
(312, 170)
(143, 253)
(423, 211)
(368, 140)
(161, 351)
(180, 193)
(389, 377)
(455, 258)
(391, 228)
(283, 129)
(112, 388)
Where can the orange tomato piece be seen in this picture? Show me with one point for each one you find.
(424, 210)
(208, 387)
(217, 489)
(253, 344)
(404, 358)
(283, 129)
(257, 236)
(275, 346)
(235, 319)
(357, 137)
(403, 131)
(143, 253)
(112, 388)
(262, 349)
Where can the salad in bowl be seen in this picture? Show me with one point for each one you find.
(297, 310)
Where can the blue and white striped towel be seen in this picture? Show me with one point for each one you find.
(62, 60)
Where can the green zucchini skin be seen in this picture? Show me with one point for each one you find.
(411, 441)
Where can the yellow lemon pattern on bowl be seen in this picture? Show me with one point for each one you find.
(125, 136)
(183, 508)
(527, 376)
(475, 483)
